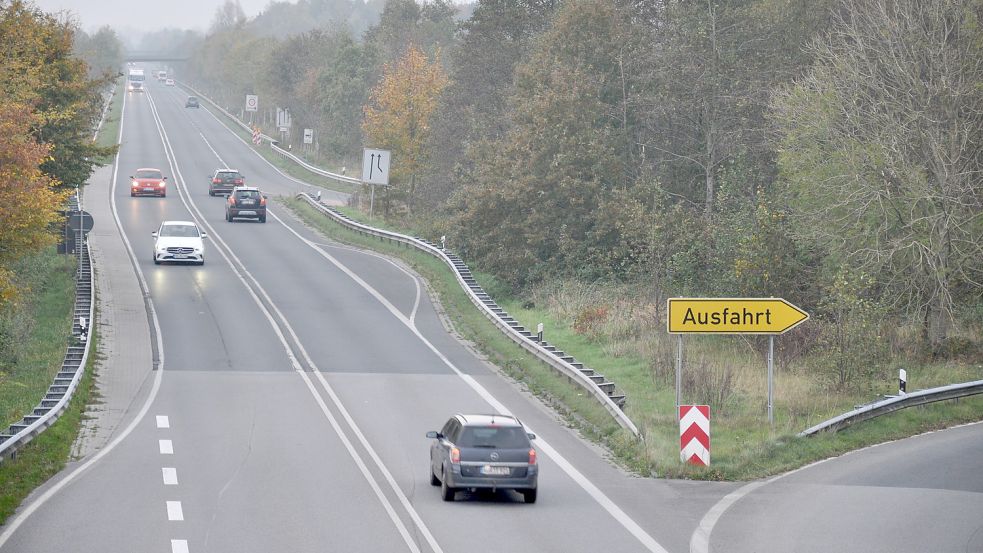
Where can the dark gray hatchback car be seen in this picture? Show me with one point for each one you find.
(483, 452)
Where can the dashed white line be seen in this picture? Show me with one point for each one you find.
(163, 421)
(179, 546)
(170, 476)
(166, 447)
(174, 511)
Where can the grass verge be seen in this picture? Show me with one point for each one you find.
(285, 165)
(744, 445)
(110, 127)
(48, 453)
(567, 398)
(34, 332)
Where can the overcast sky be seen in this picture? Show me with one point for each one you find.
(145, 14)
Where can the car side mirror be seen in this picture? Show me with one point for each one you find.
(265, 197)
(531, 435)
(165, 178)
(154, 234)
(131, 176)
(433, 435)
(204, 235)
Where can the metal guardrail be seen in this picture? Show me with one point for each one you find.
(595, 384)
(272, 141)
(896, 403)
(67, 379)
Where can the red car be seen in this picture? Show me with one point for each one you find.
(148, 182)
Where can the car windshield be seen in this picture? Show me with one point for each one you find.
(192, 99)
(187, 231)
(498, 437)
(149, 174)
(247, 194)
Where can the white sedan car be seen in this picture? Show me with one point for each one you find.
(179, 241)
(169, 82)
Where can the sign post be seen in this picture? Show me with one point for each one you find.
(769, 316)
(375, 170)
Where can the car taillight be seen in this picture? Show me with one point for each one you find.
(455, 455)
(262, 201)
(216, 181)
(238, 181)
(532, 456)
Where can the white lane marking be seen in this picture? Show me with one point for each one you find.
(30, 509)
(416, 281)
(170, 476)
(603, 500)
(186, 199)
(174, 511)
(163, 422)
(166, 447)
(179, 546)
(699, 542)
(616, 512)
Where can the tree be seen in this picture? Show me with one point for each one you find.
(399, 112)
(28, 201)
(39, 71)
(102, 51)
(881, 145)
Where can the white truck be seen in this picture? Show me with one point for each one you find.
(135, 80)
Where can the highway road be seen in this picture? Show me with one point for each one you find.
(298, 377)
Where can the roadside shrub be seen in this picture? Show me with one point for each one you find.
(590, 320)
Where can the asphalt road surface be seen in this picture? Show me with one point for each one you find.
(297, 379)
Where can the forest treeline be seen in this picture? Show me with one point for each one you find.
(824, 151)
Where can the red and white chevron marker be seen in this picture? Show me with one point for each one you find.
(694, 434)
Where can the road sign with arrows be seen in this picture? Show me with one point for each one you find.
(733, 316)
(375, 166)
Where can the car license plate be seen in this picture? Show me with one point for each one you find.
(148, 189)
(245, 213)
(180, 256)
(248, 202)
(490, 470)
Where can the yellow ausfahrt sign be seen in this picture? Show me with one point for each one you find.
(733, 316)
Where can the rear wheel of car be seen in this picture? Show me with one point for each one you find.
(446, 492)
(211, 192)
(262, 218)
(530, 495)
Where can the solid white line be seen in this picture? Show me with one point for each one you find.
(619, 515)
(27, 511)
(166, 447)
(170, 476)
(163, 422)
(189, 203)
(174, 511)
(179, 546)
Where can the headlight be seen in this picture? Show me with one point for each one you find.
(134, 184)
(198, 250)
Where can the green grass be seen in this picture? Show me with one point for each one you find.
(744, 445)
(109, 132)
(48, 453)
(37, 330)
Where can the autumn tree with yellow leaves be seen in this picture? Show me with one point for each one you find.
(399, 113)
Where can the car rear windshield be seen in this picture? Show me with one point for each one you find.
(247, 194)
(179, 230)
(148, 174)
(228, 174)
(499, 437)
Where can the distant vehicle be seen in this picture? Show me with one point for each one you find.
(134, 80)
(148, 182)
(179, 241)
(162, 75)
(224, 180)
(245, 202)
(169, 82)
(192, 102)
(483, 452)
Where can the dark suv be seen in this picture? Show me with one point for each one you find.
(246, 202)
(224, 180)
(192, 102)
(483, 452)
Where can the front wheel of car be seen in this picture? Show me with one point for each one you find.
(434, 481)
(156, 261)
(530, 495)
(446, 492)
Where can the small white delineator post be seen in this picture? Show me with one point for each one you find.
(443, 242)
(902, 382)
(318, 196)
(539, 333)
